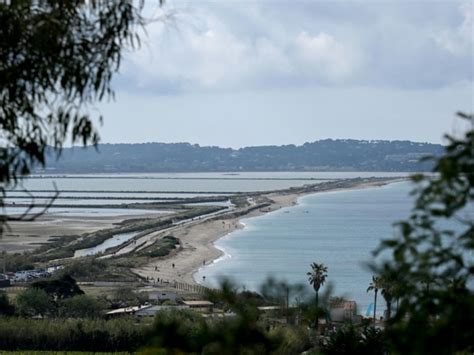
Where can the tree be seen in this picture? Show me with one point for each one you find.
(33, 302)
(316, 277)
(125, 296)
(57, 59)
(375, 286)
(432, 257)
(81, 306)
(59, 288)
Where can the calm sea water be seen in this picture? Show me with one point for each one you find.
(339, 229)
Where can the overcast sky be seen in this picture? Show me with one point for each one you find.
(239, 73)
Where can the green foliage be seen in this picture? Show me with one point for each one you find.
(60, 56)
(80, 269)
(244, 332)
(81, 306)
(6, 308)
(19, 261)
(71, 335)
(35, 302)
(126, 297)
(161, 247)
(350, 340)
(34, 352)
(432, 263)
(188, 332)
(293, 340)
(317, 276)
(59, 288)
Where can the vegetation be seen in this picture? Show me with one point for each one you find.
(59, 288)
(93, 269)
(161, 247)
(324, 155)
(79, 307)
(71, 335)
(60, 297)
(375, 285)
(6, 308)
(57, 60)
(352, 341)
(65, 247)
(432, 263)
(34, 302)
(317, 277)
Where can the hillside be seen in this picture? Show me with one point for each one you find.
(323, 155)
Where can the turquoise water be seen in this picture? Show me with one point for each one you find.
(339, 229)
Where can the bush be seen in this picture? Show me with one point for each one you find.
(81, 306)
(84, 268)
(162, 247)
(34, 302)
(6, 308)
(349, 340)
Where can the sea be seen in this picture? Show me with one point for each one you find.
(339, 228)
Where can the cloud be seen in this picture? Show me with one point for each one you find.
(459, 41)
(323, 56)
(215, 46)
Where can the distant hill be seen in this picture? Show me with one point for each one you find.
(323, 155)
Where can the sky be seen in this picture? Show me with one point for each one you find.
(270, 72)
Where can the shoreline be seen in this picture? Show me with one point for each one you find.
(198, 241)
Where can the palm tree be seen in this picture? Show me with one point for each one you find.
(317, 277)
(387, 292)
(375, 286)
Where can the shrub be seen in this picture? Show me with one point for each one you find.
(6, 308)
(81, 306)
(71, 335)
(34, 302)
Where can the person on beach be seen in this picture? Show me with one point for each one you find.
(172, 265)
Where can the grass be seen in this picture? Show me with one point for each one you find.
(34, 352)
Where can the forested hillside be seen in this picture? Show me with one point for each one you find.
(323, 155)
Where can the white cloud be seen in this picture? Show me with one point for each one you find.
(324, 56)
(251, 46)
(459, 41)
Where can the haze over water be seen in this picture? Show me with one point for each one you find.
(339, 229)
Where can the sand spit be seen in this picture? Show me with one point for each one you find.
(197, 241)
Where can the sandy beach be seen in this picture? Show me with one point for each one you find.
(197, 244)
(197, 241)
